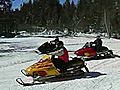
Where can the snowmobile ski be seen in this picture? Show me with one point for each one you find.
(24, 72)
(40, 80)
(21, 82)
(115, 55)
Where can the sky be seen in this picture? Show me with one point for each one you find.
(17, 3)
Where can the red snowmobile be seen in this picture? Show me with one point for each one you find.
(88, 52)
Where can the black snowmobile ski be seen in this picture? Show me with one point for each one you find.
(24, 72)
(41, 80)
(21, 82)
(115, 55)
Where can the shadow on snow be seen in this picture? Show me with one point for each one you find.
(86, 75)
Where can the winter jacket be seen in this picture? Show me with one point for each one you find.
(65, 56)
(62, 54)
(98, 44)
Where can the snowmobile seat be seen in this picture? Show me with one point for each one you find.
(103, 48)
(76, 61)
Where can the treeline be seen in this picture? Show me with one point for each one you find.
(85, 16)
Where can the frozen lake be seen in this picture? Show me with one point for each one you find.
(18, 53)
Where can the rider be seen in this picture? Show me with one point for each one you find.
(98, 44)
(60, 57)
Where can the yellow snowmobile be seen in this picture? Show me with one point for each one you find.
(44, 70)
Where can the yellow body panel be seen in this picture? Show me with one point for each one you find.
(87, 54)
(44, 67)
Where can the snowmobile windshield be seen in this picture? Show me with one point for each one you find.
(47, 47)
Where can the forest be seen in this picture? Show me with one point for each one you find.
(86, 16)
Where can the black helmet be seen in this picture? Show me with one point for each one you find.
(60, 44)
(98, 37)
(56, 39)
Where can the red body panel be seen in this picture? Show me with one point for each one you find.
(83, 51)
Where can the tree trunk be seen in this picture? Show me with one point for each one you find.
(107, 22)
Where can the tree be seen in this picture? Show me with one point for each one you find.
(115, 17)
(5, 5)
(106, 7)
(7, 22)
(84, 14)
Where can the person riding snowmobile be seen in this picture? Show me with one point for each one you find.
(98, 44)
(59, 57)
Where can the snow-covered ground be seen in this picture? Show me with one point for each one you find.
(18, 53)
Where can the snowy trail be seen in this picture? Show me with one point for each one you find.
(105, 73)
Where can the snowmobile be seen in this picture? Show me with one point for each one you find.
(88, 52)
(45, 71)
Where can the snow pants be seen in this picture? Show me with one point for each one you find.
(60, 64)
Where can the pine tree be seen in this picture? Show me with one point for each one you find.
(7, 23)
(5, 5)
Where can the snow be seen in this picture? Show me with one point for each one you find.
(18, 53)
